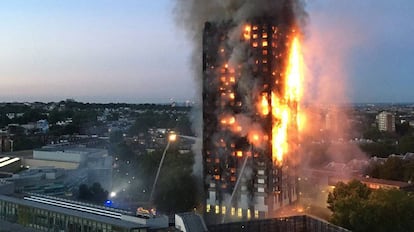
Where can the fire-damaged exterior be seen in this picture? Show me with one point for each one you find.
(242, 68)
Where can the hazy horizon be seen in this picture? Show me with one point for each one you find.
(133, 51)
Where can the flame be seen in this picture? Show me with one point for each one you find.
(239, 154)
(247, 30)
(284, 105)
(294, 73)
(280, 113)
(264, 105)
(254, 138)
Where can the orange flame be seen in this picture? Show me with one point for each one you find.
(294, 73)
(280, 113)
(264, 106)
(254, 138)
(247, 30)
(284, 106)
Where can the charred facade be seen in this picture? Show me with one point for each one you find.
(243, 68)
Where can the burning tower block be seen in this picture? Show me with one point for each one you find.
(251, 90)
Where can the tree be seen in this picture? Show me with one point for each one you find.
(372, 133)
(381, 149)
(403, 129)
(388, 210)
(345, 200)
(115, 137)
(393, 169)
(356, 207)
(27, 143)
(406, 144)
(176, 190)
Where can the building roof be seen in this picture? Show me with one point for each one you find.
(73, 149)
(193, 222)
(382, 182)
(73, 212)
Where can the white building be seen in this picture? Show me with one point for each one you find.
(96, 162)
(386, 121)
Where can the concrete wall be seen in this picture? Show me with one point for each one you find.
(65, 156)
(6, 187)
(43, 163)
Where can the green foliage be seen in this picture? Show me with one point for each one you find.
(56, 115)
(4, 120)
(151, 119)
(113, 117)
(386, 143)
(381, 149)
(393, 169)
(356, 207)
(406, 144)
(85, 116)
(404, 129)
(124, 152)
(69, 129)
(345, 200)
(116, 137)
(32, 115)
(372, 133)
(27, 143)
(176, 189)
(183, 125)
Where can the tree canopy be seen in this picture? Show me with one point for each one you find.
(356, 207)
(393, 169)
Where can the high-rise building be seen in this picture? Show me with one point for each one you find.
(386, 121)
(246, 109)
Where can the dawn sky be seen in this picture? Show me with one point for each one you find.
(132, 51)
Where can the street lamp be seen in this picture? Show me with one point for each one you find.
(171, 138)
(112, 194)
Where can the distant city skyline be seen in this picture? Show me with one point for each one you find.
(133, 51)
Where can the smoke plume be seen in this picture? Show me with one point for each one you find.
(192, 15)
(327, 127)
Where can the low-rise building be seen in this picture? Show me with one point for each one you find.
(10, 164)
(96, 164)
(55, 214)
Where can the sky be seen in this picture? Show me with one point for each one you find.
(133, 51)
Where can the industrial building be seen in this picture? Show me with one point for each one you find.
(54, 214)
(243, 178)
(90, 164)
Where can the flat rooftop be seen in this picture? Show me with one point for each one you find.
(77, 210)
